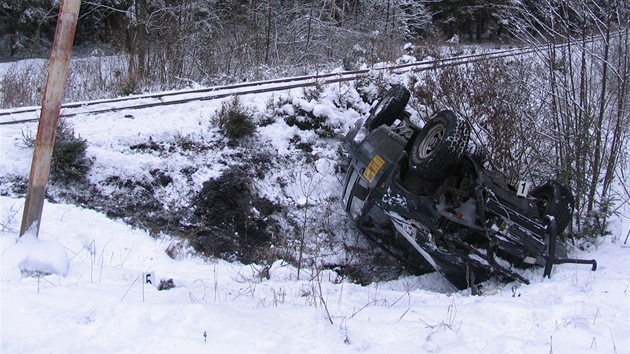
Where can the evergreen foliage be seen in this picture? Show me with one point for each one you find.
(234, 119)
(70, 163)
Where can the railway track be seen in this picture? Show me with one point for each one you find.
(31, 114)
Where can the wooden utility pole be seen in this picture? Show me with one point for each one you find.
(49, 117)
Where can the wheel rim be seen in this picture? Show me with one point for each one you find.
(431, 142)
(379, 107)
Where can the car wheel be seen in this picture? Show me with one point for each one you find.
(439, 146)
(555, 200)
(389, 108)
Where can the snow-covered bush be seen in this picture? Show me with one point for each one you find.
(70, 162)
(128, 85)
(22, 85)
(355, 58)
(371, 85)
(234, 119)
(327, 112)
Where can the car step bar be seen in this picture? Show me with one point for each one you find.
(551, 260)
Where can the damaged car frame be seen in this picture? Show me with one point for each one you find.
(424, 195)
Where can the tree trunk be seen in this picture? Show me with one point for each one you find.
(141, 36)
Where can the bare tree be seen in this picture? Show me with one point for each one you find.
(583, 46)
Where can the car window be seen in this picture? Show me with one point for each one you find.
(355, 194)
(355, 207)
(350, 180)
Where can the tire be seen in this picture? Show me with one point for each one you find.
(555, 200)
(389, 108)
(439, 146)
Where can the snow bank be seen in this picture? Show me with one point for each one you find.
(32, 255)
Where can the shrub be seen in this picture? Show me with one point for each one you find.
(70, 162)
(22, 85)
(312, 113)
(313, 93)
(128, 85)
(234, 119)
(372, 85)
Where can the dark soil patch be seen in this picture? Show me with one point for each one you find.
(234, 222)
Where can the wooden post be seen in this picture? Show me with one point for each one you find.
(49, 118)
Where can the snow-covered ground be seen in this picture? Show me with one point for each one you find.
(103, 305)
(98, 300)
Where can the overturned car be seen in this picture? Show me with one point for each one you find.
(423, 195)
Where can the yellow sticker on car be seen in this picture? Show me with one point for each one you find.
(372, 169)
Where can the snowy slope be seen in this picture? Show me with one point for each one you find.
(98, 300)
(101, 305)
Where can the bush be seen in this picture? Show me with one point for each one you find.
(70, 162)
(312, 113)
(22, 85)
(128, 85)
(88, 79)
(234, 119)
(372, 85)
